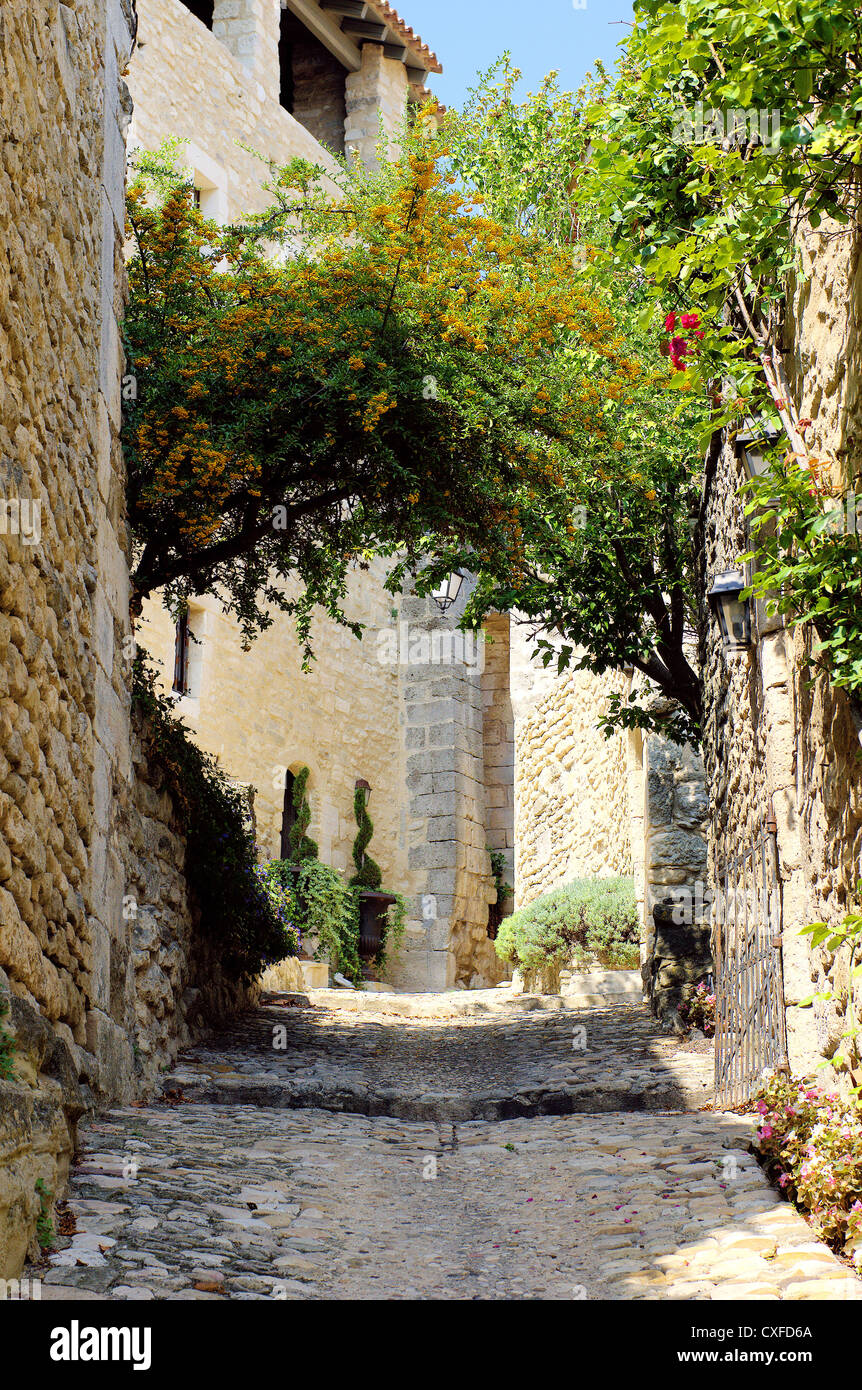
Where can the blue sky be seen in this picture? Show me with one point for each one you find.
(468, 35)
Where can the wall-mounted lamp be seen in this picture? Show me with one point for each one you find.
(732, 612)
(446, 593)
(755, 440)
(362, 786)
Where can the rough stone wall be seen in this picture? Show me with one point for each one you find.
(825, 367)
(180, 988)
(777, 733)
(676, 812)
(572, 814)
(64, 746)
(318, 85)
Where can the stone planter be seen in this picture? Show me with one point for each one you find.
(373, 907)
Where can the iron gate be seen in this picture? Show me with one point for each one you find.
(750, 1031)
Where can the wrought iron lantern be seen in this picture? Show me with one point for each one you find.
(362, 786)
(446, 593)
(755, 440)
(733, 613)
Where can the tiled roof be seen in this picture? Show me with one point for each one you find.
(405, 33)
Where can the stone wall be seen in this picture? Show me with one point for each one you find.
(443, 709)
(317, 84)
(674, 829)
(261, 715)
(572, 813)
(64, 722)
(499, 740)
(180, 989)
(778, 736)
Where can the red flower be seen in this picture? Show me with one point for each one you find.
(698, 333)
(670, 322)
(679, 347)
(690, 320)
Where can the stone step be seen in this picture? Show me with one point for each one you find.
(608, 1096)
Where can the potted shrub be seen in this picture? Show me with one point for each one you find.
(377, 919)
(301, 848)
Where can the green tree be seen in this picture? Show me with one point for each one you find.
(607, 569)
(356, 371)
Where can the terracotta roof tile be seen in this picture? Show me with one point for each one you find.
(410, 40)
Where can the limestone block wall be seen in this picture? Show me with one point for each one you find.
(572, 813)
(261, 715)
(447, 828)
(676, 813)
(377, 92)
(64, 721)
(218, 90)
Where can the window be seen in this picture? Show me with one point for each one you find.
(288, 815)
(202, 10)
(182, 645)
(210, 182)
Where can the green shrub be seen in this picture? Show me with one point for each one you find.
(7, 1044)
(327, 909)
(588, 918)
(278, 883)
(302, 847)
(368, 873)
(221, 863)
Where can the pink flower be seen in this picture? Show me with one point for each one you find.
(670, 322)
(679, 347)
(766, 1131)
(762, 1107)
(690, 320)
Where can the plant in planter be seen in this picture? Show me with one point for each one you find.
(381, 915)
(329, 912)
(504, 890)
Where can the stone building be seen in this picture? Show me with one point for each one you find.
(422, 716)
(782, 745)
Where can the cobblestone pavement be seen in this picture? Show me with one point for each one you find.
(231, 1192)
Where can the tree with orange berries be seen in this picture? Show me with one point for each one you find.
(371, 366)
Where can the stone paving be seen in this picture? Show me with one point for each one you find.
(234, 1186)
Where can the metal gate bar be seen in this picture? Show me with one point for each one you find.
(750, 1033)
